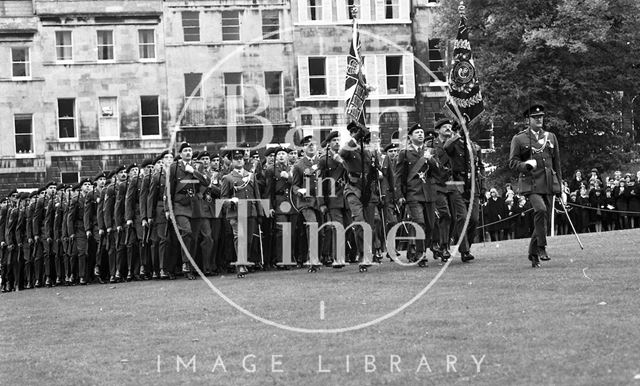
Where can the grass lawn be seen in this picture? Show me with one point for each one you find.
(574, 321)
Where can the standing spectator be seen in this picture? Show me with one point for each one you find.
(596, 201)
(583, 201)
(620, 193)
(595, 179)
(634, 201)
(494, 212)
(509, 193)
(508, 226)
(609, 218)
(574, 185)
(562, 222)
(524, 221)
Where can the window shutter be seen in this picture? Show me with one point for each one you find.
(379, 5)
(303, 76)
(302, 11)
(364, 13)
(334, 75)
(408, 74)
(404, 10)
(326, 10)
(381, 73)
(341, 10)
(370, 73)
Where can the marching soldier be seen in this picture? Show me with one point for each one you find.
(357, 163)
(304, 186)
(217, 222)
(444, 187)
(82, 229)
(115, 257)
(4, 275)
(279, 177)
(43, 232)
(241, 184)
(456, 148)
(332, 202)
(122, 182)
(388, 187)
(10, 240)
(452, 152)
(57, 233)
(158, 216)
(24, 249)
(201, 218)
(535, 155)
(147, 269)
(133, 222)
(413, 172)
(66, 242)
(96, 206)
(184, 181)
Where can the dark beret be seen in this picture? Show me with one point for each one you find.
(40, 189)
(50, 183)
(215, 155)
(77, 186)
(101, 174)
(204, 154)
(330, 137)
(272, 150)
(13, 191)
(61, 186)
(236, 154)
(133, 165)
(415, 127)
(442, 122)
(254, 153)
(33, 194)
(146, 162)
(183, 146)
(305, 140)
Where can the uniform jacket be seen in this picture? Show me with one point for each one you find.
(183, 191)
(304, 177)
(10, 229)
(243, 185)
(331, 172)
(109, 206)
(3, 222)
(38, 218)
(156, 199)
(118, 209)
(278, 188)
(415, 182)
(546, 177)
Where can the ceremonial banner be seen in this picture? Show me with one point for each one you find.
(464, 88)
(355, 85)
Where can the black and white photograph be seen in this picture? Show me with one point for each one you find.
(319, 192)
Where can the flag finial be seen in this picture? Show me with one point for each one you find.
(354, 11)
(462, 9)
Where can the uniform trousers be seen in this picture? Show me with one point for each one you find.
(541, 204)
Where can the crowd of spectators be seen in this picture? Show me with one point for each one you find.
(594, 204)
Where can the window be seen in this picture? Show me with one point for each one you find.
(306, 119)
(317, 76)
(272, 82)
(64, 47)
(314, 9)
(24, 133)
(436, 62)
(108, 118)
(20, 62)
(232, 83)
(394, 74)
(66, 118)
(147, 44)
(191, 26)
(191, 84)
(271, 25)
(392, 9)
(105, 45)
(149, 115)
(230, 26)
(69, 177)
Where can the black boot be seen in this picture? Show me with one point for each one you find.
(542, 254)
(535, 262)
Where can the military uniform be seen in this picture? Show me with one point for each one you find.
(414, 174)
(278, 178)
(538, 183)
(133, 223)
(157, 218)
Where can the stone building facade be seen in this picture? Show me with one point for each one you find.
(89, 84)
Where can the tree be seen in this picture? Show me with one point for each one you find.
(580, 58)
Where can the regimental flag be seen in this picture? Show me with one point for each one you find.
(464, 88)
(355, 85)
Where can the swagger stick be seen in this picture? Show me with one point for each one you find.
(570, 222)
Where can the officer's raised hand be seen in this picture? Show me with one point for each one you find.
(531, 164)
(401, 201)
(188, 168)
